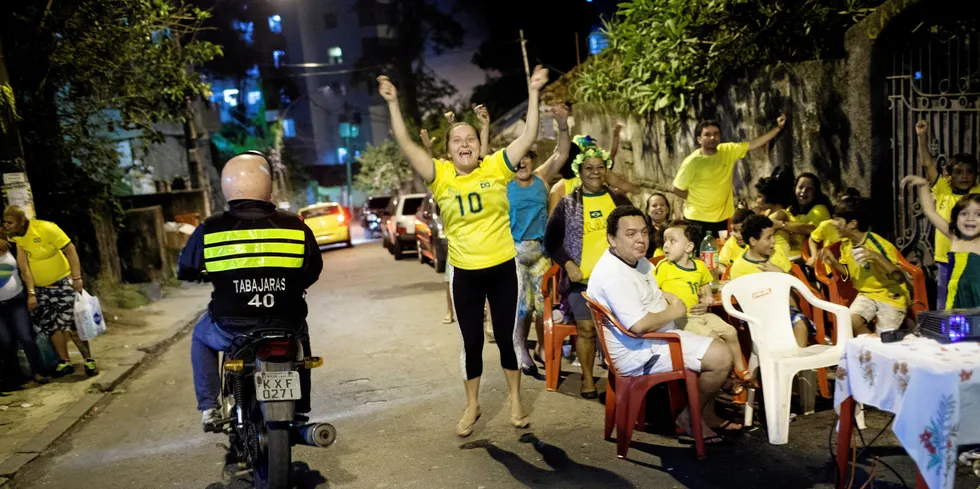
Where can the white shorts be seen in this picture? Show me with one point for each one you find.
(889, 317)
(693, 347)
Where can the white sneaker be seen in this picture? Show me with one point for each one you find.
(210, 419)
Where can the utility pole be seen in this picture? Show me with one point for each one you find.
(16, 187)
(350, 186)
(527, 68)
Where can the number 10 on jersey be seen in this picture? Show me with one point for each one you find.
(476, 204)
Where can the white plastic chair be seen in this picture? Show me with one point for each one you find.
(764, 300)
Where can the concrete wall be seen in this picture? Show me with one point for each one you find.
(817, 137)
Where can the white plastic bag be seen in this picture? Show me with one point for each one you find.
(88, 316)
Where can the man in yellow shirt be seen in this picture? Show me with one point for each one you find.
(961, 180)
(871, 263)
(704, 179)
(57, 275)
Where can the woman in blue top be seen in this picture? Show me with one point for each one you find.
(528, 197)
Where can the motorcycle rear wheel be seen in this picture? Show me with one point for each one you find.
(275, 461)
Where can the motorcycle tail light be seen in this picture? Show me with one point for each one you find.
(275, 348)
(401, 230)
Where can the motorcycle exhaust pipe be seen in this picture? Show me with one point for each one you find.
(320, 435)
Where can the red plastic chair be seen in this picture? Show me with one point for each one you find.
(626, 396)
(920, 297)
(656, 259)
(554, 333)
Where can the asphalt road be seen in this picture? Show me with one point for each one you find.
(391, 385)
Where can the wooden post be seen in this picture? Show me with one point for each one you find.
(527, 68)
(578, 57)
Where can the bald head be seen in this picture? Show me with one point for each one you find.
(247, 176)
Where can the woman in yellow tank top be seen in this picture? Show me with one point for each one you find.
(472, 194)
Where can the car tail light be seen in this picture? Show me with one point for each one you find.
(341, 218)
(401, 229)
(300, 216)
(276, 348)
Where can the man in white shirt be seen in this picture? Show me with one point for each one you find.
(623, 282)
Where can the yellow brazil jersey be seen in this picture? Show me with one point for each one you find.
(945, 200)
(43, 242)
(595, 211)
(685, 283)
(825, 234)
(784, 241)
(708, 181)
(818, 214)
(866, 279)
(658, 252)
(746, 266)
(475, 211)
(571, 184)
(730, 252)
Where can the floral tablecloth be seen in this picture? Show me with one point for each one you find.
(933, 389)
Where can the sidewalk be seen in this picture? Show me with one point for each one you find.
(31, 419)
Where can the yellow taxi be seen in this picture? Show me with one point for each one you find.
(329, 222)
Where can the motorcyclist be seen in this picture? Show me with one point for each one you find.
(260, 261)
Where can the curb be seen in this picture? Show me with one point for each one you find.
(33, 448)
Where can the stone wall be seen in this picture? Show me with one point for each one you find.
(817, 137)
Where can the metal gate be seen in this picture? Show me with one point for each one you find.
(933, 76)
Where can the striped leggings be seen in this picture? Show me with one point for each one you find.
(498, 285)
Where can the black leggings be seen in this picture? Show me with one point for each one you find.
(471, 288)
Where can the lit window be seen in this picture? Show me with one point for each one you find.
(231, 97)
(254, 97)
(275, 24)
(341, 154)
(288, 128)
(246, 29)
(276, 55)
(597, 43)
(336, 55)
(253, 71)
(355, 131)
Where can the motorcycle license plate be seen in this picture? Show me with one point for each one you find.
(277, 386)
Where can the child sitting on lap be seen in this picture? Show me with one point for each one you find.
(690, 280)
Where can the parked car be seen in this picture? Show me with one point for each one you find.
(329, 222)
(430, 239)
(371, 214)
(398, 230)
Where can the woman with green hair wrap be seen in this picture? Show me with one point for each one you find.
(570, 181)
(575, 239)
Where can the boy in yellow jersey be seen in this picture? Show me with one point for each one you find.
(948, 189)
(871, 263)
(734, 246)
(690, 280)
(826, 234)
(762, 255)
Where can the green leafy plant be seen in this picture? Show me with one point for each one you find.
(664, 53)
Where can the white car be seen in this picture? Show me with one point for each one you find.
(398, 228)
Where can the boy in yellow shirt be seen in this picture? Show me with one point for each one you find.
(826, 234)
(960, 179)
(734, 245)
(763, 256)
(871, 263)
(690, 280)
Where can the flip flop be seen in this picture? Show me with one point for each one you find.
(724, 426)
(448, 321)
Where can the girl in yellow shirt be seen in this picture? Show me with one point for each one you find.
(775, 198)
(472, 194)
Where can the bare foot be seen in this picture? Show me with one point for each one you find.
(518, 418)
(465, 426)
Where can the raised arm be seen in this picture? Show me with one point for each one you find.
(765, 138)
(483, 115)
(427, 142)
(622, 184)
(925, 157)
(550, 168)
(555, 195)
(420, 160)
(928, 202)
(614, 145)
(519, 147)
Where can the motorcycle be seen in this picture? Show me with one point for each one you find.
(260, 386)
(373, 225)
